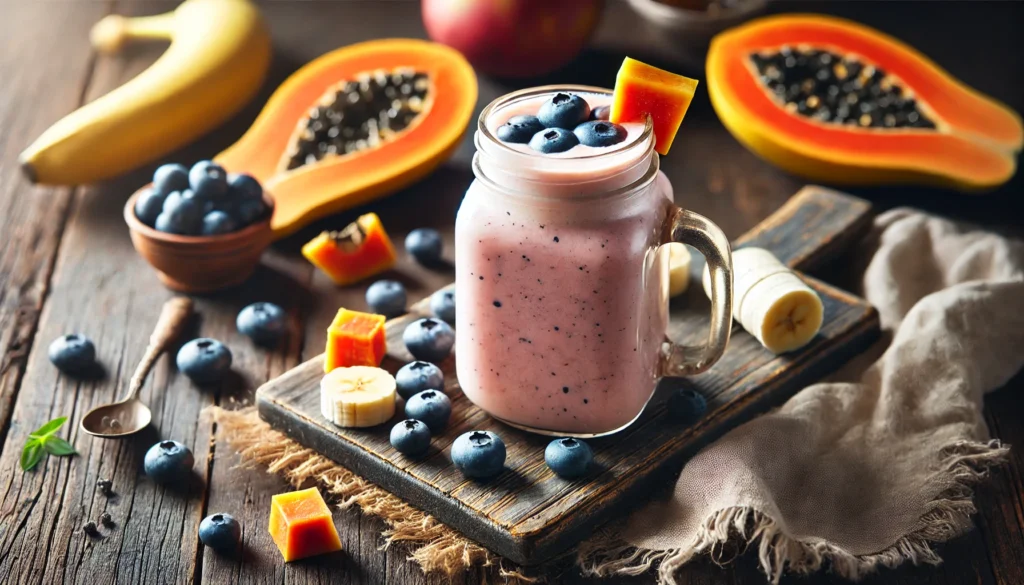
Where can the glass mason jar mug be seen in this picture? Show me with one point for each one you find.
(562, 278)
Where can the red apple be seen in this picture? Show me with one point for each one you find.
(513, 38)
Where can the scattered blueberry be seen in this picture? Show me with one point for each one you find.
(442, 304)
(90, 528)
(425, 245)
(149, 205)
(519, 129)
(430, 406)
(601, 113)
(242, 186)
(429, 340)
(563, 110)
(217, 222)
(72, 353)
(687, 405)
(568, 457)
(168, 461)
(479, 454)
(182, 213)
(553, 140)
(265, 323)
(169, 178)
(105, 486)
(410, 437)
(204, 360)
(415, 377)
(386, 297)
(248, 211)
(208, 179)
(106, 519)
(599, 133)
(220, 532)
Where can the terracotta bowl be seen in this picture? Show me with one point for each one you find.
(196, 264)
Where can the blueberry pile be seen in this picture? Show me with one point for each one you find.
(562, 122)
(201, 201)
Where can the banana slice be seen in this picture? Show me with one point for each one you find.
(359, 396)
(771, 302)
(678, 269)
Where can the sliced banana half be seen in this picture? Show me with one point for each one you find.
(679, 259)
(358, 396)
(771, 302)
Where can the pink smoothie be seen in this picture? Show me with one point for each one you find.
(561, 288)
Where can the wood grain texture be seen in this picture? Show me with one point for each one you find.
(527, 514)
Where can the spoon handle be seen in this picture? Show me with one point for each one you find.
(172, 321)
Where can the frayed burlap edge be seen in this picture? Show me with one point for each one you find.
(434, 546)
(963, 464)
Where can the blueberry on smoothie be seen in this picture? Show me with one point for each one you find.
(208, 179)
(553, 140)
(425, 245)
(149, 205)
(204, 360)
(569, 458)
(415, 377)
(601, 113)
(410, 437)
(479, 454)
(519, 129)
(216, 223)
(599, 133)
(220, 532)
(169, 178)
(241, 186)
(386, 297)
(429, 340)
(430, 406)
(72, 353)
(687, 406)
(442, 304)
(264, 323)
(168, 461)
(563, 110)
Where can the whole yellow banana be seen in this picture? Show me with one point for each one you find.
(219, 54)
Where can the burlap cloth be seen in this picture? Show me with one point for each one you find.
(855, 474)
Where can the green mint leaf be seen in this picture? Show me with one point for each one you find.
(58, 446)
(50, 427)
(31, 455)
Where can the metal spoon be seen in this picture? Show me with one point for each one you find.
(130, 415)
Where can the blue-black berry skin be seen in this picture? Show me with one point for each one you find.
(208, 180)
(430, 340)
(248, 211)
(168, 462)
(415, 377)
(204, 360)
(149, 205)
(72, 353)
(687, 406)
(442, 304)
(169, 178)
(425, 245)
(479, 454)
(430, 406)
(519, 129)
(183, 213)
(569, 458)
(564, 110)
(410, 437)
(242, 186)
(220, 532)
(264, 323)
(386, 297)
(553, 140)
(599, 133)
(216, 223)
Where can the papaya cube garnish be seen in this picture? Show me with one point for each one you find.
(301, 525)
(355, 339)
(642, 90)
(357, 252)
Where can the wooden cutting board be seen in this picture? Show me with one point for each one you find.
(527, 514)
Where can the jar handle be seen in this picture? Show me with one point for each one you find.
(696, 230)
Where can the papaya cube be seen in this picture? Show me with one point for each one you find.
(642, 90)
(301, 525)
(355, 339)
(359, 251)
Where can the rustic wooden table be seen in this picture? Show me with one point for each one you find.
(67, 265)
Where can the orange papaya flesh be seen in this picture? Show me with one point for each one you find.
(972, 147)
(642, 90)
(301, 525)
(355, 339)
(370, 159)
(361, 250)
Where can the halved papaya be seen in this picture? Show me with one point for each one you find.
(838, 102)
(356, 124)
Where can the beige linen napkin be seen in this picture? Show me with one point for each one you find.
(868, 473)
